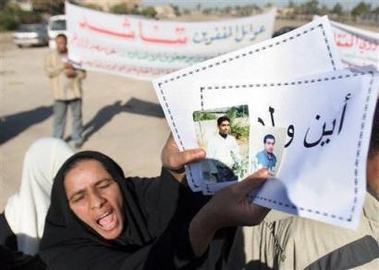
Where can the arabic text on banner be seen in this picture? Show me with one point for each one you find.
(142, 48)
(357, 47)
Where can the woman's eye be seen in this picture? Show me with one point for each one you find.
(105, 184)
(77, 198)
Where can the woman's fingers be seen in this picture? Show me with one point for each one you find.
(174, 159)
(251, 182)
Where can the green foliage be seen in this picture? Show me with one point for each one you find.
(26, 17)
(239, 166)
(201, 116)
(3, 4)
(337, 9)
(310, 7)
(323, 10)
(360, 9)
(119, 9)
(52, 7)
(375, 11)
(8, 21)
(149, 12)
(123, 9)
(12, 16)
(239, 131)
(240, 111)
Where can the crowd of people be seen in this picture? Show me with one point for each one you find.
(79, 210)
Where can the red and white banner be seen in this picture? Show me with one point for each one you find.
(357, 47)
(143, 48)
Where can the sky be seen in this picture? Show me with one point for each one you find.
(346, 4)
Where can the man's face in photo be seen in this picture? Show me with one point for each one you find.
(224, 127)
(269, 145)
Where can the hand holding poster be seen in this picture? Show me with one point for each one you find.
(306, 50)
(268, 85)
(320, 128)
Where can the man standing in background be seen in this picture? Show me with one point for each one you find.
(67, 90)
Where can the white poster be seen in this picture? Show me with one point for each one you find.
(145, 48)
(306, 50)
(319, 162)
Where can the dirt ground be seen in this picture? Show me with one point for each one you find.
(122, 116)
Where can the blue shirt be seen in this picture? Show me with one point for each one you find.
(265, 160)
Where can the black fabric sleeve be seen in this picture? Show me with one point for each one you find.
(15, 260)
(162, 197)
(170, 207)
(7, 237)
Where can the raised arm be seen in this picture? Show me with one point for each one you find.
(229, 207)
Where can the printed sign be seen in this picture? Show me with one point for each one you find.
(143, 48)
(357, 47)
(306, 50)
(327, 119)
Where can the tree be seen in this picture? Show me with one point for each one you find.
(119, 9)
(375, 11)
(50, 6)
(360, 9)
(3, 4)
(310, 7)
(337, 9)
(149, 12)
(176, 9)
(323, 10)
(291, 4)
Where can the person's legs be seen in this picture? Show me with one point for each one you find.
(77, 124)
(60, 109)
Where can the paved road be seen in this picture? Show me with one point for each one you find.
(122, 116)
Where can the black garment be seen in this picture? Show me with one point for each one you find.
(157, 215)
(7, 237)
(10, 258)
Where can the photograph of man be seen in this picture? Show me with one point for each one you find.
(266, 158)
(224, 151)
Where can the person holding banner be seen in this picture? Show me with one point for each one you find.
(293, 242)
(66, 82)
(100, 220)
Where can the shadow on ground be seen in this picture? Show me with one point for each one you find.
(105, 115)
(12, 125)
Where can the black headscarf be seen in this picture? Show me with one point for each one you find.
(157, 214)
(60, 213)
